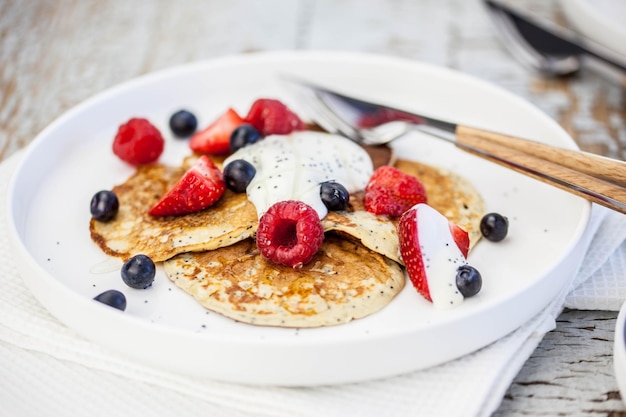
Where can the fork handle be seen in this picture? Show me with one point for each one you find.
(608, 169)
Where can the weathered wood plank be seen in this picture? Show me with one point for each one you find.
(53, 55)
(570, 373)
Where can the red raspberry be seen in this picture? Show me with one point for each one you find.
(138, 142)
(272, 117)
(392, 192)
(290, 233)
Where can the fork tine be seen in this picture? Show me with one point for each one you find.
(333, 123)
(316, 114)
(342, 127)
(321, 106)
(311, 98)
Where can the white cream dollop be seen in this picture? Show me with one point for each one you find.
(292, 167)
(441, 255)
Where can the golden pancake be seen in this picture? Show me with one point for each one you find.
(377, 233)
(134, 231)
(344, 281)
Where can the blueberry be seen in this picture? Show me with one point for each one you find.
(494, 227)
(238, 174)
(104, 206)
(113, 298)
(468, 280)
(138, 272)
(243, 135)
(334, 196)
(183, 123)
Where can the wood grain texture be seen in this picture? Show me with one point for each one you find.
(570, 373)
(55, 54)
(613, 170)
(564, 177)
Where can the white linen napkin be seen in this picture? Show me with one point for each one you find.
(601, 281)
(46, 369)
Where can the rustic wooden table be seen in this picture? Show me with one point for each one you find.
(54, 54)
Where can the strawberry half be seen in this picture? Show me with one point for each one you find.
(412, 249)
(215, 139)
(461, 238)
(391, 192)
(272, 117)
(200, 187)
(411, 252)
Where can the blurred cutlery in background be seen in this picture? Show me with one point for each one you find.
(552, 50)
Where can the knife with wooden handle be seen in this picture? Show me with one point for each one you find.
(594, 177)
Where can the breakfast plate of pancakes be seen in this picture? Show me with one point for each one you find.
(66, 261)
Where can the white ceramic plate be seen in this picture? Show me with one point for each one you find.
(71, 160)
(603, 21)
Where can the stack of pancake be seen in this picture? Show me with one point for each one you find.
(212, 254)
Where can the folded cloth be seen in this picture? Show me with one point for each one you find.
(47, 369)
(601, 281)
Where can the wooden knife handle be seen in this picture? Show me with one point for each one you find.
(608, 169)
(591, 188)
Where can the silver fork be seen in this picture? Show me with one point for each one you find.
(593, 177)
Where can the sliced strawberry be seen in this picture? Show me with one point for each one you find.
(215, 139)
(414, 252)
(200, 187)
(411, 252)
(391, 192)
(461, 237)
(272, 117)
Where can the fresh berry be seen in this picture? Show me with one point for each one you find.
(243, 135)
(461, 238)
(468, 281)
(290, 233)
(391, 192)
(113, 298)
(138, 272)
(200, 187)
(183, 123)
(138, 142)
(411, 249)
(215, 139)
(334, 196)
(238, 174)
(104, 206)
(273, 117)
(494, 227)
(411, 252)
